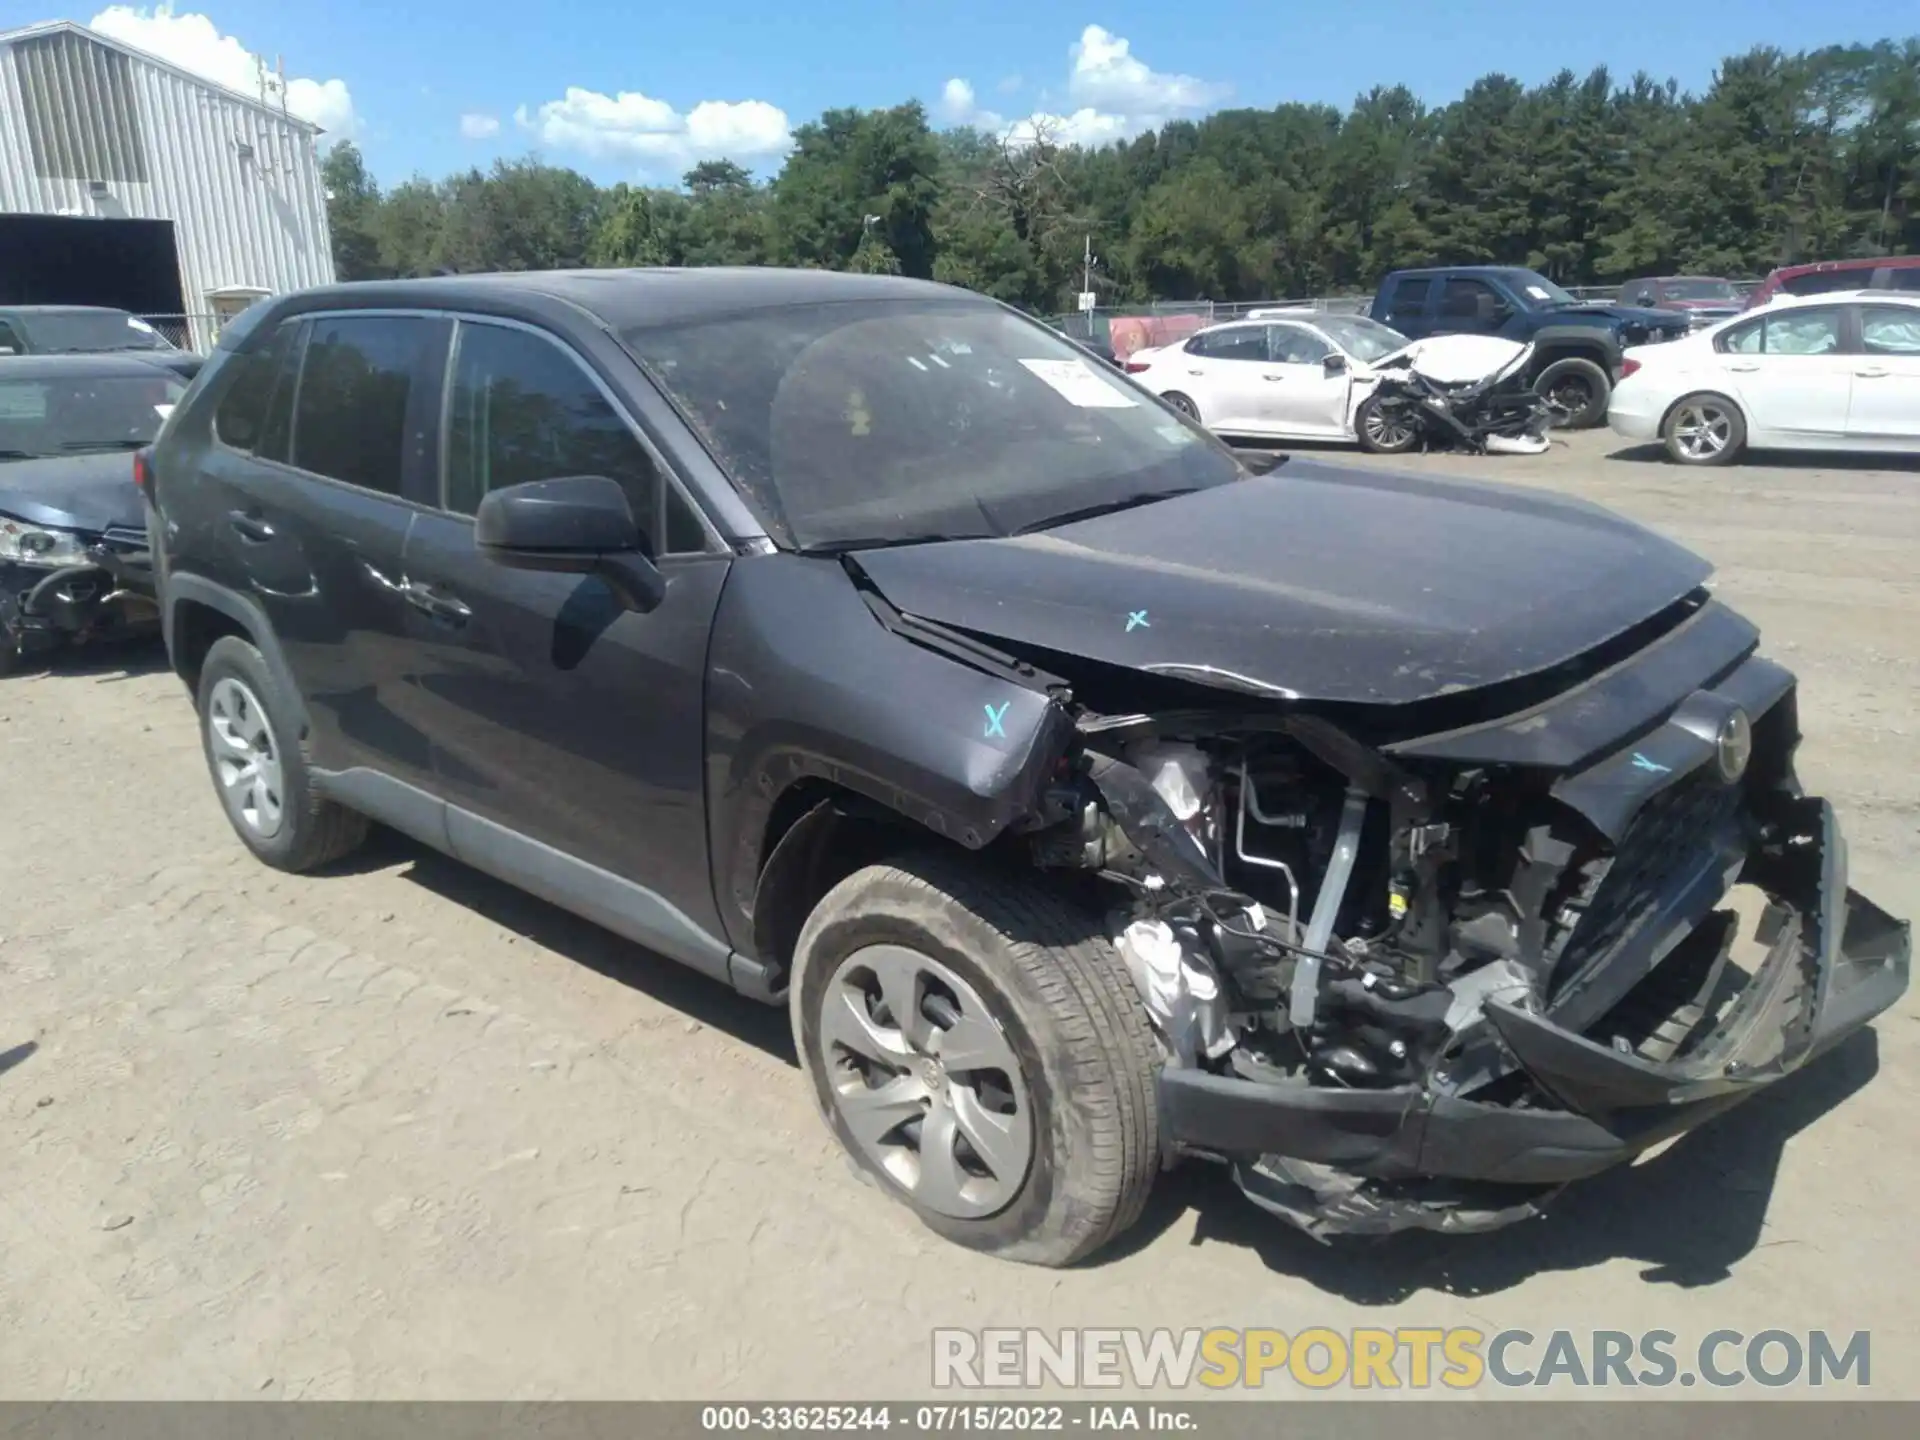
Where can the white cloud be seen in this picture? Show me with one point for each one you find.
(960, 106)
(652, 134)
(193, 42)
(1115, 96)
(1107, 77)
(475, 126)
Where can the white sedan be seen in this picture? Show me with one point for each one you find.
(1820, 372)
(1288, 375)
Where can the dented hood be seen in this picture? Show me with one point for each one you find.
(1316, 582)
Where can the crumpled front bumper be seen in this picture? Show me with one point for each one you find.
(42, 608)
(1372, 1161)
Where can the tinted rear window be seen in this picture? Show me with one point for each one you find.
(1826, 282)
(1410, 296)
(241, 417)
(350, 419)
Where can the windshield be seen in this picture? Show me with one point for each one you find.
(1539, 290)
(1365, 340)
(1700, 290)
(92, 331)
(892, 421)
(73, 414)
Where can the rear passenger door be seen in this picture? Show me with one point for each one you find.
(568, 733)
(1224, 369)
(322, 445)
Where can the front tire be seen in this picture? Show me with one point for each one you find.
(979, 1050)
(1385, 429)
(1704, 429)
(1577, 391)
(260, 766)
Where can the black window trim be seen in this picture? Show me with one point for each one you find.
(715, 545)
(304, 320)
(1236, 325)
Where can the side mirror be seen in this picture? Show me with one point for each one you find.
(1335, 364)
(575, 525)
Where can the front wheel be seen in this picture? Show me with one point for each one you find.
(1385, 428)
(1704, 429)
(1183, 404)
(1576, 391)
(978, 1048)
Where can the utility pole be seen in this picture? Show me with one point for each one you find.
(1086, 266)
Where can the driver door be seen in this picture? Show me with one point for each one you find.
(1302, 398)
(568, 733)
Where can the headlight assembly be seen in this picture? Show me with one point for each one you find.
(25, 544)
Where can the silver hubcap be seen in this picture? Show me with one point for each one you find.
(245, 758)
(1386, 432)
(1702, 431)
(926, 1081)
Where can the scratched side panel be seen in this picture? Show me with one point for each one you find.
(803, 682)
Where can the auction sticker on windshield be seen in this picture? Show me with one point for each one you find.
(1078, 385)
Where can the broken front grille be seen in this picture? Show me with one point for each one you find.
(1619, 893)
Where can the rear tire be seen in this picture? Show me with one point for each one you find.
(1029, 984)
(1577, 390)
(1704, 429)
(1384, 434)
(260, 767)
(1184, 405)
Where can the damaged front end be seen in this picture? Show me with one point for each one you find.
(1424, 980)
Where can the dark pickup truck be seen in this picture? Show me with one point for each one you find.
(1578, 345)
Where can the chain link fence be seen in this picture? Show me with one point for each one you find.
(196, 332)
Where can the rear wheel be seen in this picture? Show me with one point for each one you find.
(978, 1048)
(259, 765)
(1181, 403)
(1385, 429)
(1576, 391)
(1704, 429)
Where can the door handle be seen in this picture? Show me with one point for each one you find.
(1273, 377)
(1744, 369)
(1875, 374)
(447, 609)
(249, 526)
(1196, 372)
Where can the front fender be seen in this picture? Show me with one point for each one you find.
(805, 684)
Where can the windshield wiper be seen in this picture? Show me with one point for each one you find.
(20, 455)
(1105, 507)
(104, 444)
(882, 542)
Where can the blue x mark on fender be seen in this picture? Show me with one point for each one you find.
(994, 717)
(1137, 620)
(1652, 767)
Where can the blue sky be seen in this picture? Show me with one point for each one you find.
(639, 90)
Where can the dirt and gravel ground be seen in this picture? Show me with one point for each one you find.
(400, 1132)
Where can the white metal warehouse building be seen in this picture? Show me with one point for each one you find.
(127, 181)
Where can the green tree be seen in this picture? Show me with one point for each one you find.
(353, 208)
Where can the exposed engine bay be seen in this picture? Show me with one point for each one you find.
(1396, 951)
